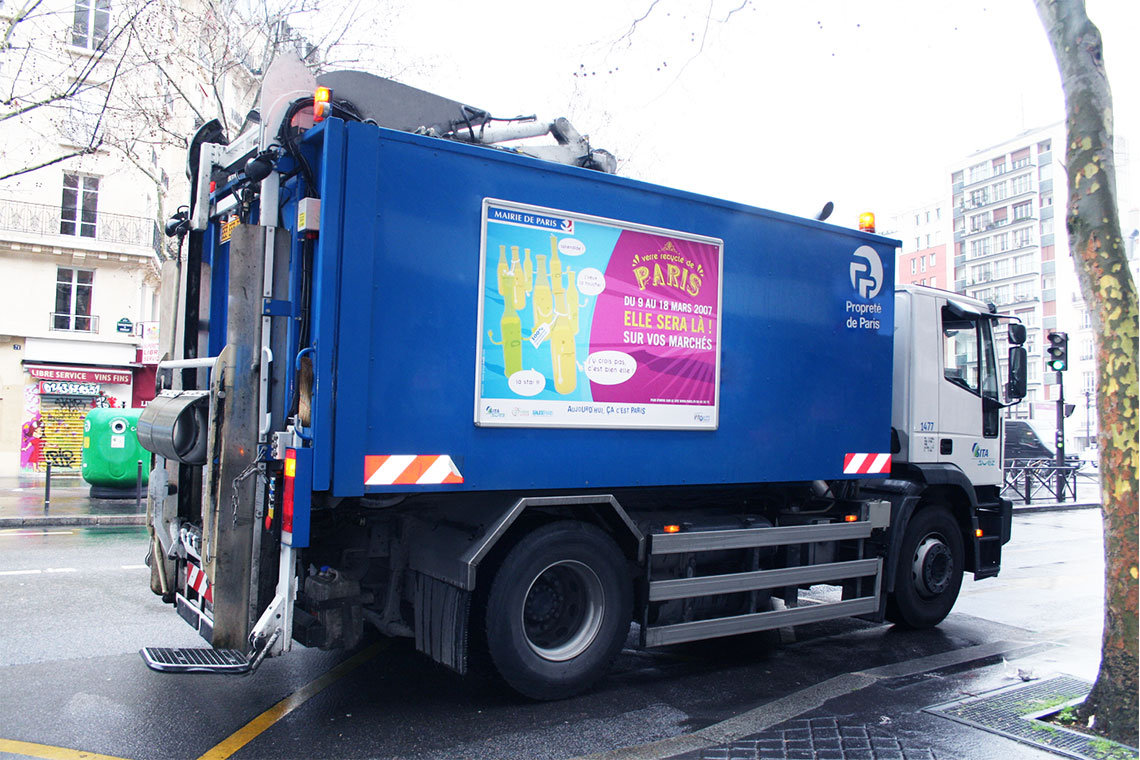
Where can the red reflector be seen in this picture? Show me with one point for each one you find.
(287, 496)
(672, 528)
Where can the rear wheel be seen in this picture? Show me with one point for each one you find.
(558, 610)
(929, 572)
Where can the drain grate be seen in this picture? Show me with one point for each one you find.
(1013, 712)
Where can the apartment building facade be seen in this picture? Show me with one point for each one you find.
(1011, 248)
(923, 231)
(85, 180)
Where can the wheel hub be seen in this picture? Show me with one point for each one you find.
(562, 612)
(933, 568)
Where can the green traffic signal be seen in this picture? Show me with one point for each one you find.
(1058, 351)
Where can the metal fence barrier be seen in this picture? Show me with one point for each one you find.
(1043, 479)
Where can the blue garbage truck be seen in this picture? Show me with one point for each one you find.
(450, 377)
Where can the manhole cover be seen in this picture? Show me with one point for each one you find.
(1013, 712)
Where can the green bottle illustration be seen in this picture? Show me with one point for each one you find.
(543, 302)
(555, 265)
(528, 272)
(501, 270)
(572, 299)
(518, 287)
(563, 352)
(510, 326)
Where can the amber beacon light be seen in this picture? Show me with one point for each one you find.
(322, 103)
(867, 221)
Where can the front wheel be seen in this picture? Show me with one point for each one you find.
(558, 610)
(929, 571)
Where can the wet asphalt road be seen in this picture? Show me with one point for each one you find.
(75, 608)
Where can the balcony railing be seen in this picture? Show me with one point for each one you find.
(41, 219)
(61, 320)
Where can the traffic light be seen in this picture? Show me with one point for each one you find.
(1058, 351)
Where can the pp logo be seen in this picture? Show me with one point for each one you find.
(867, 272)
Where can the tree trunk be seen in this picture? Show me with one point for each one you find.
(1110, 295)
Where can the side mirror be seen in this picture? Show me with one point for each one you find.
(1016, 333)
(1015, 388)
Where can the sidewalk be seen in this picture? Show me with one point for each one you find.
(975, 703)
(967, 704)
(22, 504)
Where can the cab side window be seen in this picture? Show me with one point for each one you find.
(960, 351)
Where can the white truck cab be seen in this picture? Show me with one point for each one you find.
(947, 410)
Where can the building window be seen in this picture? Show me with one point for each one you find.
(73, 300)
(79, 209)
(1023, 237)
(92, 21)
(1086, 348)
(999, 165)
(1023, 291)
(1086, 320)
(917, 243)
(1001, 242)
(980, 248)
(1047, 227)
(938, 213)
(1001, 269)
(1022, 210)
(913, 266)
(1023, 264)
(1088, 382)
(932, 259)
(1046, 200)
(934, 282)
(1019, 185)
(1020, 159)
(922, 263)
(998, 189)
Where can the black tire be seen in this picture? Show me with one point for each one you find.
(558, 610)
(929, 571)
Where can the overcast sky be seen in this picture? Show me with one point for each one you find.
(778, 104)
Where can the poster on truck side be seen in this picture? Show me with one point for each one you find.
(587, 322)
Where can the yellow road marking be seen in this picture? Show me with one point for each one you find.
(263, 722)
(49, 753)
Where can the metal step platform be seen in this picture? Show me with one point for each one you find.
(196, 660)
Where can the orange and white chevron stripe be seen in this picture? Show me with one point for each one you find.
(410, 470)
(196, 580)
(866, 464)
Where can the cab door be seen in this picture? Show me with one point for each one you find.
(968, 400)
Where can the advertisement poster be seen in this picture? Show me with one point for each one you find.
(589, 322)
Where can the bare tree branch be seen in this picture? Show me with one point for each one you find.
(59, 159)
